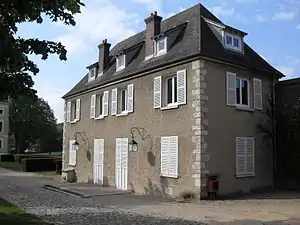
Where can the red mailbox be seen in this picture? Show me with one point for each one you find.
(212, 187)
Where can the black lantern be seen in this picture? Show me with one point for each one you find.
(76, 145)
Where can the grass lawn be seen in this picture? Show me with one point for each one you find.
(12, 215)
(11, 165)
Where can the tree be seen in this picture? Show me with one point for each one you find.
(16, 69)
(31, 120)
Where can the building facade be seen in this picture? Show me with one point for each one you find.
(165, 109)
(4, 125)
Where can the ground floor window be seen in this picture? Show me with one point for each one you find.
(245, 156)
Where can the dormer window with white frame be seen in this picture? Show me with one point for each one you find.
(92, 73)
(233, 42)
(161, 46)
(120, 62)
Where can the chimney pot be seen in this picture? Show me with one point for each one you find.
(151, 14)
(155, 12)
(103, 55)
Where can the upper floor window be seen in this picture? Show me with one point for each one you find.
(99, 105)
(242, 91)
(122, 100)
(233, 42)
(121, 60)
(1, 111)
(1, 143)
(73, 111)
(161, 46)
(92, 73)
(171, 90)
(1, 126)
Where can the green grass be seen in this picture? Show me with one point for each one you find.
(12, 215)
(11, 165)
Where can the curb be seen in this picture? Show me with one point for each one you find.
(63, 190)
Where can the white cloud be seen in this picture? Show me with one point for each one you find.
(285, 16)
(222, 11)
(298, 27)
(287, 70)
(73, 44)
(260, 18)
(151, 5)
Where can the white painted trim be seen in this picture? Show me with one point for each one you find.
(214, 23)
(149, 57)
(164, 51)
(240, 94)
(119, 68)
(170, 106)
(232, 47)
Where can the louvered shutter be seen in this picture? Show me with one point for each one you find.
(72, 153)
(257, 86)
(114, 98)
(164, 155)
(173, 156)
(78, 109)
(240, 156)
(181, 87)
(68, 111)
(157, 92)
(231, 88)
(118, 162)
(93, 106)
(130, 97)
(105, 103)
(65, 112)
(249, 155)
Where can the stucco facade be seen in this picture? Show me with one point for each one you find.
(206, 128)
(4, 131)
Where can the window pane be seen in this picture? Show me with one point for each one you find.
(236, 42)
(175, 89)
(238, 100)
(228, 40)
(1, 126)
(1, 111)
(123, 100)
(161, 45)
(244, 92)
(99, 99)
(0, 144)
(169, 90)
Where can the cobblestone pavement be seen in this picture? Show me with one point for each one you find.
(26, 191)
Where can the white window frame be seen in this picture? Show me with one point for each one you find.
(2, 143)
(2, 121)
(97, 106)
(176, 163)
(174, 101)
(240, 48)
(245, 173)
(163, 51)
(121, 102)
(118, 66)
(3, 111)
(70, 162)
(92, 73)
(240, 93)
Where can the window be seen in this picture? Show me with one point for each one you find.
(233, 42)
(172, 90)
(72, 153)
(122, 100)
(73, 111)
(92, 73)
(245, 156)
(169, 156)
(99, 105)
(120, 62)
(1, 125)
(242, 91)
(161, 46)
(1, 143)
(3, 98)
(1, 111)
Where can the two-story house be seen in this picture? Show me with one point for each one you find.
(4, 125)
(168, 107)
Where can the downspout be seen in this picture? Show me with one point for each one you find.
(274, 140)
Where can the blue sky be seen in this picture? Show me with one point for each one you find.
(273, 28)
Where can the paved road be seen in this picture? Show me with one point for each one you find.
(26, 191)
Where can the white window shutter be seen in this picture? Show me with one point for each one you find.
(240, 156)
(78, 109)
(68, 111)
(93, 106)
(249, 155)
(101, 151)
(231, 88)
(257, 87)
(125, 152)
(114, 101)
(95, 71)
(72, 153)
(164, 155)
(105, 103)
(181, 87)
(130, 98)
(65, 112)
(157, 92)
(173, 156)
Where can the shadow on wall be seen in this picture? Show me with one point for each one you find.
(156, 190)
(88, 155)
(151, 158)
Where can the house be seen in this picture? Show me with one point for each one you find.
(167, 108)
(4, 125)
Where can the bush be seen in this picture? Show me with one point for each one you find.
(7, 158)
(38, 164)
(20, 157)
(188, 195)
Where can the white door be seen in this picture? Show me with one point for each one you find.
(121, 163)
(98, 161)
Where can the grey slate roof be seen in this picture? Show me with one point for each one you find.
(191, 37)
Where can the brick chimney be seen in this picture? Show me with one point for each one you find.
(152, 29)
(103, 55)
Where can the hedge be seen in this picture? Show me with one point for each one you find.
(7, 158)
(40, 164)
(20, 157)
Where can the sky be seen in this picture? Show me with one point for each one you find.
(273, 28)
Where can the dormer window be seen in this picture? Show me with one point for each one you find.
(92, 73)
(161, 46)
(233, 42)
(120, 62)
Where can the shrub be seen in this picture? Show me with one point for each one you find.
(187, 195)
(20, 157)
(7, 158)
(38, 164)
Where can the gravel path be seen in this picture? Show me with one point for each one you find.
(58, 208)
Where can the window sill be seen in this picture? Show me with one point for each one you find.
(160, 53)
(169, 176)
(101, 117)
(120, 69)
(175, 106)
(241, 176)
(244, 108)
(71, 164)
(74, 121)
(122, 114)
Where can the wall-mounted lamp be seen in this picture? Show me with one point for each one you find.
(133, 145)
(76, 143)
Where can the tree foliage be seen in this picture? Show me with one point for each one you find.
(16, 69)
(31, 120)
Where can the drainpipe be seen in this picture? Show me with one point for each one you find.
(274, 143)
